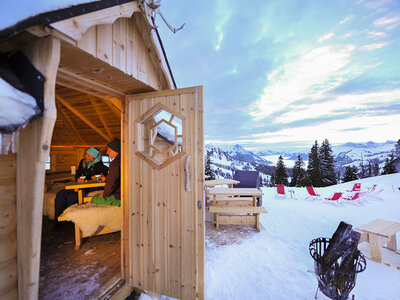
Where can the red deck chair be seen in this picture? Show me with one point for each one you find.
(356, 198)
(280, 191)
(334, 199)
(312, 194)
(356, 188)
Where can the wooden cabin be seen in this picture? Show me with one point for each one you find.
(107, 76)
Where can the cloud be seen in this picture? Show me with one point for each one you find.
(326, 37)
(376, 34)
(347, 19)
(387, 22)
(310, 76)
(373, 46)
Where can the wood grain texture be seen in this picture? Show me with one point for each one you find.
(167, 227)
(34, 148)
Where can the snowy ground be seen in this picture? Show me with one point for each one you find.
(274, 263)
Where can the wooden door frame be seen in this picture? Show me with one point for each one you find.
(33, 150)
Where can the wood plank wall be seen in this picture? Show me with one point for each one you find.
(62, 158)
(167, 228)
(8, 228)
(121, 45)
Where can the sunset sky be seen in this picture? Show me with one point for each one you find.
(282, 74)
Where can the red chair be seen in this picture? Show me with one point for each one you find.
(280, 191)
(312, 194)
(334, 198)
(356, 188)
(356, 198)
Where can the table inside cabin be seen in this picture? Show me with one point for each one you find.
(52, 178)
(379, 232)
(77, 187)
(235, 206)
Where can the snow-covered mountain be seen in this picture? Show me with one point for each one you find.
(357, 153)
(345, 155)
(237, 152)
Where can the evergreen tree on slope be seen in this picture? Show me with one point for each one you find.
(314, 166)
(389, 167)
(350, 174)
(207, 166)
(281, 176)
(327, 164)
(299, 176)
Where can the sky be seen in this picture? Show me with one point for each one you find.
(279, 75)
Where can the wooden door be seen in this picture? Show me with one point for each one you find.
(163, 145)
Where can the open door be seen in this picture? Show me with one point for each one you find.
(163, 181)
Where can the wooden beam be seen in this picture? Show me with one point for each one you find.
(96, 108)
(33, 151)
(82, 117)
(75, 27)
(70, 124)
(112, 107)
(88, 86)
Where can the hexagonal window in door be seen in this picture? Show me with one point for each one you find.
(159, 136)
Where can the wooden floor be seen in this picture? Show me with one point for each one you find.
(84, 274)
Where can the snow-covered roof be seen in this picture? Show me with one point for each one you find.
(15, 18)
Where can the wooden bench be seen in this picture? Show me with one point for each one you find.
(237, 215)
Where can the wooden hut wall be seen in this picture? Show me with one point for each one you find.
(121, 45)
(8, 228)
(61, 159)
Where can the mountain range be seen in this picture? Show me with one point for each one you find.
(347, 154)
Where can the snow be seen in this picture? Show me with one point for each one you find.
(23, 9)
(16, 107)
(289, 163)
(274, 263)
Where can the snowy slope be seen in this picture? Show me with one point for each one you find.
(275, 263)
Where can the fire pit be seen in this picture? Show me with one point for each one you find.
(336, 269)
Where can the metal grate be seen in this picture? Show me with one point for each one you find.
(337, 280)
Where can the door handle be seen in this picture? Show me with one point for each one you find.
(187, 174)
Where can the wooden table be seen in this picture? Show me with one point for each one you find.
(52, 178)
(235, 206)
(216, 182)
(379, 232)
(77, 187)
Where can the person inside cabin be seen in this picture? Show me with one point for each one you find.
(112, 189)
(89, 166)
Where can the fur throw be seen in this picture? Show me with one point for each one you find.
(89, 217)
(48, 205)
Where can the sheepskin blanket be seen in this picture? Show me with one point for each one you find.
(48, 205)
(89, 217)
(49, 199)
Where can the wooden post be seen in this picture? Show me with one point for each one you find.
(33, 150)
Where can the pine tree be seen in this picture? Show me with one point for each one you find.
(362, 167)
(299, 175)
(207, 166)
(397, 150)
(389, 167)
(281, 176)
(397, 156)
(327, 164)
(350, 174)
(272, 181)
(313, 168)
(369, 169)
(375, 170)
